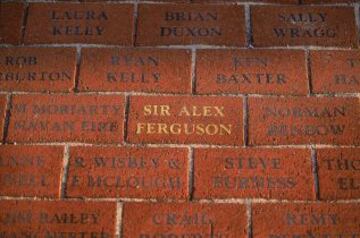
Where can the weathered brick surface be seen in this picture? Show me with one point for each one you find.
(289, 220)
(184, 220)
(335, 71)
(79, 23)
(339, 173)
(304, 120)
(3, 108)
(251, 71)
(11, 19)
(128, 172)
(30, 170)
(294, 25)
(86, 118)
(185, 119)
(183, 24)
(37, 69)
(145, 70)
(253, 173)
(57, 218)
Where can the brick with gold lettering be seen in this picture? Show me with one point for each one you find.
(339, 173)
(91, 23)
(150, 220)
(183, 24)
(305, 220)
(79, 118)
(37, 69)
(253, 173)
(3, 108)
(186, 119)
(57, 219)
(136, 172)
(27, 170)
(294, 25)
(304, 120)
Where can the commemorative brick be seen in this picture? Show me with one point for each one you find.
(37, 69)
(253, 173)
(150, 220)
(251, 71)
(30, 170)
(304, 120)
(335, 71)
(339, 173)
(11, 18)
(185, 120)
(144, 70)
(295, 25)
(136, 172)
(305, 220)
(3, 108)
(57, 118)
(183, 24)
(57, 219)
(91, 23)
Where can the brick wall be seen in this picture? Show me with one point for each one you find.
(180, 119)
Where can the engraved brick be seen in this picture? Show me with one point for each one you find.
(303, 220)
(3, 108)
(339, 173)
(335, 71)
(304, 120)
(253, 173)
(144, 70)
(184, 220)
(85, 118)
(57, 218)
(30, 170)
(92, 23)
(251, 71)
(11, 18)
(37, 69)
(294, 25)
(185, 119)
(182, 24)
(135, 172)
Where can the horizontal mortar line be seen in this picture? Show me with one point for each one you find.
(262, 200)
(81, 2)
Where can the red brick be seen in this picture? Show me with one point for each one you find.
(253, 173)
(11, 18)
(338, 172)
(323, 26)
(30, 170)
(128, 172)
(56, 23)
(304, 120)
(255, 1)
(305, 220)
(144, 70)
(86, 118)
(208, 24)
(3, 108)
(57, 219)
(327, 1)
(184, 220)
(251, 71)
(335, 71)
(37, 69)
(185, 119)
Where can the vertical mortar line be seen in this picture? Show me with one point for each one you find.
(24, 21)
(126, 116)
(308, 71)
(248, 29)
(357, 19)
(77, 68)
(315, 171)
(7, 117)
(135, 23)
(191, 172)
(64, 173)
(119, 212)
(245, 120)
(193, 69)
(249, 220)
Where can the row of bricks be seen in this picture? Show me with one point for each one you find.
(179, 24)
(212, 1)
(214, 120)
(166, 172)
(177, 220)
(214, 71)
